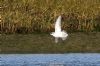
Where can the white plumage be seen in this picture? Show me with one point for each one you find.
(58, 32)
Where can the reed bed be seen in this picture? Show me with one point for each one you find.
(28, 16)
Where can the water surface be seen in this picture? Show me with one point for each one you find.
(70, 59)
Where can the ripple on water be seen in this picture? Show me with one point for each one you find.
(73, 59)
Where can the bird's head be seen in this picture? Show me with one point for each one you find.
(52, 33)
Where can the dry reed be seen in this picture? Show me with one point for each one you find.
(27, 16)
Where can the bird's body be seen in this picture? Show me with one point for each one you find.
(58, 32)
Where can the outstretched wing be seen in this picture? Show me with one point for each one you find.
(58, 24)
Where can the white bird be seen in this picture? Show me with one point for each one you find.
(58, 32)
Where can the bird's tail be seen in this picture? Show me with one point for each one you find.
(64, 38)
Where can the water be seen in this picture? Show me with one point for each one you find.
(70, 59)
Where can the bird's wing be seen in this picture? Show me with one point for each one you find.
(58, 24)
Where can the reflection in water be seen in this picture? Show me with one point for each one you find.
(50, 60)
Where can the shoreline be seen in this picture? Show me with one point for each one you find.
(44, 43)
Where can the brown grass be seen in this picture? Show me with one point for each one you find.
(27, 16)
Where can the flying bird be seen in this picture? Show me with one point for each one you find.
(58, 32)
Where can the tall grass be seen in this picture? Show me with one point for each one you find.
(27, 16)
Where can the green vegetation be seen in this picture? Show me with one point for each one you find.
(28, 16)
(44, 43)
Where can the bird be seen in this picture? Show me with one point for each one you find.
(58, 32)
